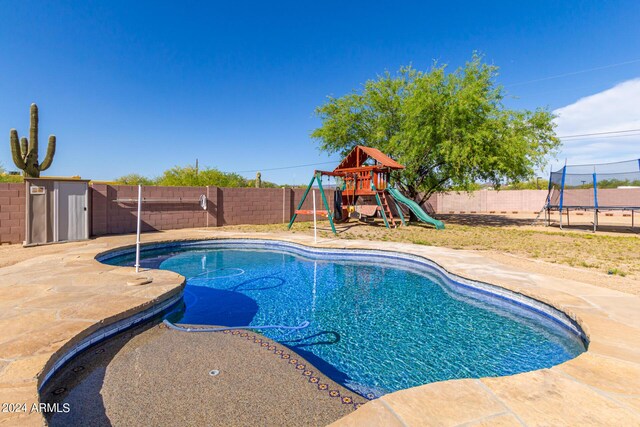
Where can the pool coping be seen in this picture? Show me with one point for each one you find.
(601, 379)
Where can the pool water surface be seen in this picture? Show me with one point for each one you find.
(376, 324)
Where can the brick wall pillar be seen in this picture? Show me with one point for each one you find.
(219, 211)
(12, 212)
(288, 207)
(98, 209)
(214, 206)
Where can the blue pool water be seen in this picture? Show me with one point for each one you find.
(377, 324)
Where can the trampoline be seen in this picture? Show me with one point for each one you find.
(595, 187)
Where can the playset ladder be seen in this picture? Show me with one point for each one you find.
(386, 209)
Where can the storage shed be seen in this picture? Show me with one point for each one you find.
(57, 210)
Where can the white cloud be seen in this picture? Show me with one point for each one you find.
(614, 109)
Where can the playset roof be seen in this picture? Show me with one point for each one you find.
(361, 154)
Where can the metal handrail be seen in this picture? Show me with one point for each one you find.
(149, 200)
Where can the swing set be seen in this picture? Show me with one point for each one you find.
(365, 171)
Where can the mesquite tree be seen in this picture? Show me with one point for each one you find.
(450, 130)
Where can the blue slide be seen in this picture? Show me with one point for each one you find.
(415, 208)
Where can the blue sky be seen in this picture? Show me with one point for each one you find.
(143, 86)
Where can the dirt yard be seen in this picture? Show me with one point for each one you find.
(608, 258)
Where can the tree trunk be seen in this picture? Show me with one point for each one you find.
(412, 193)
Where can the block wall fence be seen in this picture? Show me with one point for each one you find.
(489, 201)
(12, 212)
(113, 207)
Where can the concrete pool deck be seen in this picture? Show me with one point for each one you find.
(53, 296)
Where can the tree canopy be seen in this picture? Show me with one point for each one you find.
(134, 179)
(450, 130)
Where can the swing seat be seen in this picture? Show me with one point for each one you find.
(310, 212)
(367, 210)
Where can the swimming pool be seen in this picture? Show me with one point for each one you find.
(378, 321)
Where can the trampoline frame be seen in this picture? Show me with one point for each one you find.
(560, 207)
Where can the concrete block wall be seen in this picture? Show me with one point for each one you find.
(114, 208)
(579, 197)
(489, 201)
(528, 201)
(618, 196)
(232, 206)
(12, 212)
(263, 205)
(523, 201)
(226, 206)
(254, 206)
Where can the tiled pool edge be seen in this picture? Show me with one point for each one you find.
(546, 309)
(280, 351)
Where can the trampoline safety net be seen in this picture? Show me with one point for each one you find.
(595, 186)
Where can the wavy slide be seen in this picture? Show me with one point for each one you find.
(415, 208)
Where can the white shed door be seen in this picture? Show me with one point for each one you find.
(72, 211)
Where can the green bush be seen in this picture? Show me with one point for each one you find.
(134, 179)
(5, 177)
(189, 176)
(10, 178)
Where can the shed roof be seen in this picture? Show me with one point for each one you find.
(360, 154)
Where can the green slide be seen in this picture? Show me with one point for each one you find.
(415, 208)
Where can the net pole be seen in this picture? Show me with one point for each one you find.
(138, 229)
(560, 212)
(595, 200)
(564, 174)
(315, 223)
(547, 219)
(547, 203)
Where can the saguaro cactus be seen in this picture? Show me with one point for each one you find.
(258, 180)
(25, 152)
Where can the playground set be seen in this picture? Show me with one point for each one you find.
(364, 175)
